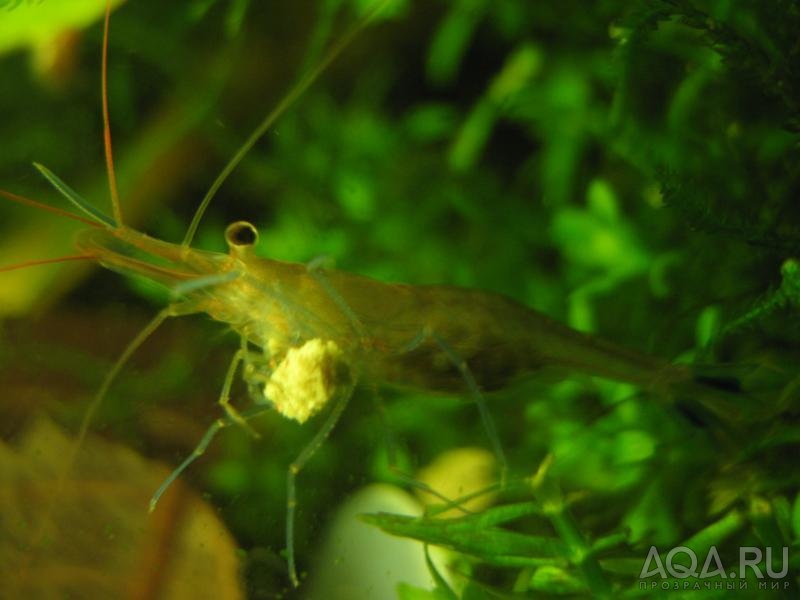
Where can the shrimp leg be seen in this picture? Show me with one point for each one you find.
(406, 478)
(202, 446)
(480, 401)
(232, 416)
(316, 269)
(225, 395)
(298, 464)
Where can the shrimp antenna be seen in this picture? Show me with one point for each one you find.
(41, 206)
(298, 90)
(112, 177)
(45, 261)
(74, 197)
(40, 533)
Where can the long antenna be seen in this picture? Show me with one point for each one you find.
(112, 177)
(58, 488)
(45, 261)
(48, 208)
(298, 90)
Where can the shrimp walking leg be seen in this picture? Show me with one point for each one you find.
(480, 401)
(225, 395)
(202, 446)
(297, 465)
(402, 476)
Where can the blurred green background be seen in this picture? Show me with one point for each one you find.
(629, 168)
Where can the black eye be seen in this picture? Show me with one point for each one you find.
(241, 233)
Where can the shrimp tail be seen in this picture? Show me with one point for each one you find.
(737, 395)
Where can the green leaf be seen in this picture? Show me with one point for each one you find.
(554, 580)
(442, 589)
(410, 592)
(35, 24)
(476, 535)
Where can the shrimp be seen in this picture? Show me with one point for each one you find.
(310, 335)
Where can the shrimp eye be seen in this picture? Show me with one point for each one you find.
(241, 234)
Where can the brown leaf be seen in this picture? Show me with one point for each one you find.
(88, 534)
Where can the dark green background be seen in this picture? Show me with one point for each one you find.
(630, 168)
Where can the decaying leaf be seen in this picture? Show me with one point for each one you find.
(91, 535)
